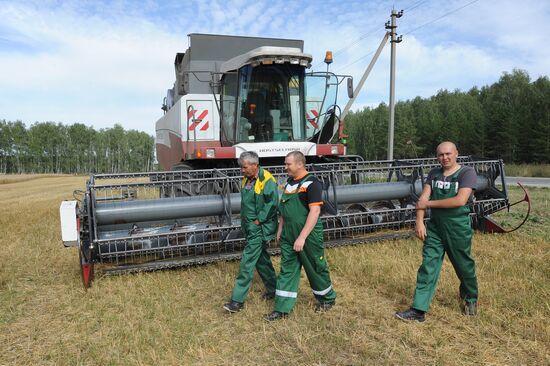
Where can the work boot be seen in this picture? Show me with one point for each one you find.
(268, 296)
(470, 308)
(324, 306)
(411, 315)
(233, 306)
(275, 315)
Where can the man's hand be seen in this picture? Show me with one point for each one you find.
(422, 204)
(299, 244)
(279, 229)
(420, 230)
(257, 222)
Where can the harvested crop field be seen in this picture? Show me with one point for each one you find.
(176, 317)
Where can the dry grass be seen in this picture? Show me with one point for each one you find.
(175, 317)
(527, 170)
(17, 178)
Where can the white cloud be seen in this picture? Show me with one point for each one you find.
(110, 62)
(423, 70)
(470, 47)
(84, 59)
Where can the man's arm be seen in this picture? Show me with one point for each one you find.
(457, 201)
(271, 201)
(466, 181)
(280, 228)
(311, 221)
(420, 228)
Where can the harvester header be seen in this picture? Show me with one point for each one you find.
(148, 221)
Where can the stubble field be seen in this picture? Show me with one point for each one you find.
(176, 317)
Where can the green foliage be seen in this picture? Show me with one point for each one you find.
(509, 120)
(48, 147)
(368, 132)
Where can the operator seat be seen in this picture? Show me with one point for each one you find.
(259, 117)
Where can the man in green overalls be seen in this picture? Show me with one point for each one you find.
(447, 192)
(259, 199)
(300, 235)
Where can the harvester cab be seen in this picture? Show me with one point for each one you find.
(270, 98)
(262, 99)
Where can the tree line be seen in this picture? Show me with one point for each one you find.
(48, 147)
(509, 119)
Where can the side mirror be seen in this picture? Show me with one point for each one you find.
(350, 87)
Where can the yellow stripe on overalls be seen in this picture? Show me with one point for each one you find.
(259, 186)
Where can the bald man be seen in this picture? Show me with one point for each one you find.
(448, 194)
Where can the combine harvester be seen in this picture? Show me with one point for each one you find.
(235, 94)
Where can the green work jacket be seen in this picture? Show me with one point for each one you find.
(260, 203)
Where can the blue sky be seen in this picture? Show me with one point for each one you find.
(106, 62)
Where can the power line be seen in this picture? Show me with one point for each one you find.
(374, 30)
(412, 7)
(365, 35)
(415, 29)
(356, 61)
(440, 17)
(359, 39)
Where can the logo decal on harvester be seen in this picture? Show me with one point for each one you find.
(312, 117)
(201, 122)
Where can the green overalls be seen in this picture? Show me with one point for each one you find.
(449, 230)
(312, 257)
(258, 202)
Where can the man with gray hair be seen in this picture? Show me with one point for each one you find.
(259, 200)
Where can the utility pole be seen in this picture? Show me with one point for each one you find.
(365, 75)
(392, 29)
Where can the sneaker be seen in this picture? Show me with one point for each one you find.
(470, 308)
(275, 315)
(411, 315)
(233, 306)
(324, 306)
(268, 296)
